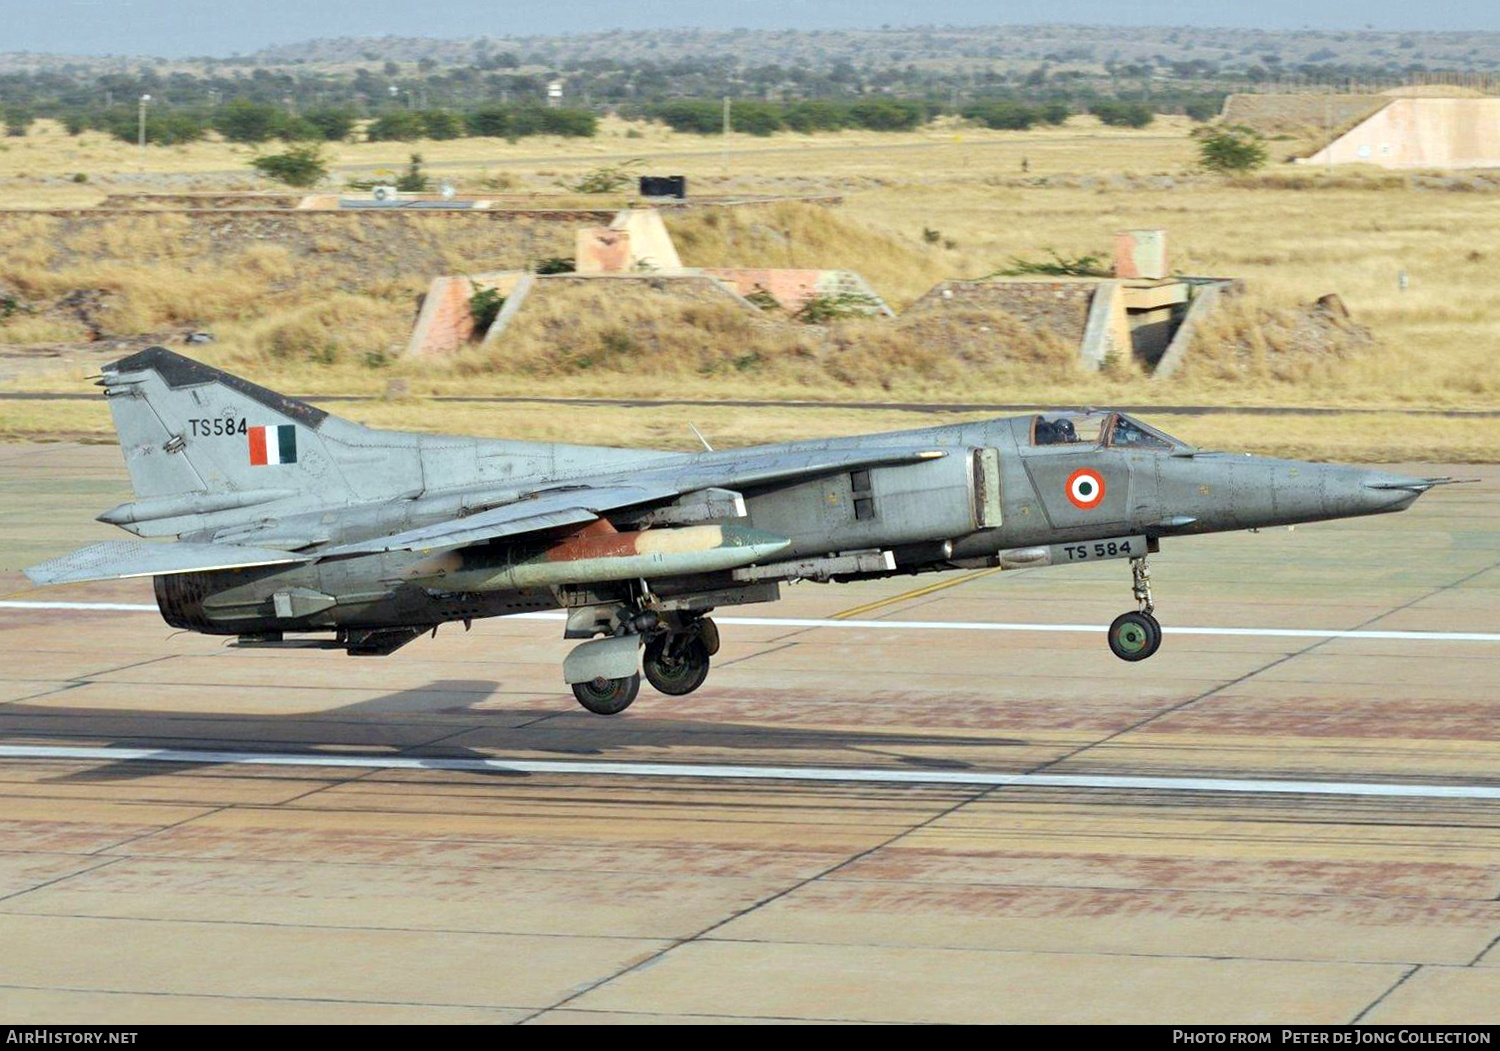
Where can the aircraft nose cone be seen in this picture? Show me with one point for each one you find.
(1391, 492)
(1350, 491)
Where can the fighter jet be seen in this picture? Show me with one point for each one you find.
(295, 528)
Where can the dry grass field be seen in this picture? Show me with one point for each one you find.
(1367, 437)
(311, 321)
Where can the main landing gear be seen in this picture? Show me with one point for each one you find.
(676, 662)
(607, 696)
(1137, 635)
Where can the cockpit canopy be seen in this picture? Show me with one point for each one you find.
(1114, 430)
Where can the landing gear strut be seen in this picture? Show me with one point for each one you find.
(676, 662)
(605, 673)
(1137, 635)
(676, 659)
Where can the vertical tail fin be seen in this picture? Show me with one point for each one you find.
(200, 441)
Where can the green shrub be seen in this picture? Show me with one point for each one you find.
(755, 118)
(759, 297)
(301, 166)
(1122, 114)
(164, 127)
(607, 179)
(298, 129)
(398, 125)
(441, 124)
(819, 309)
(413, 180)
(335, 125)
(688, 115)
(246, 121)
(572, 123)
(1005, 115)
(1054, 113)
(18, 119)
(492, 122)
(1231, 148)
(888, 114)
(1204, 109)
(815, 115)
(484, 306)
(1057, 266)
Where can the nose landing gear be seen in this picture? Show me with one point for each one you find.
(1136, 635)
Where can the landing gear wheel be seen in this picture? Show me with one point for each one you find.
(1134, 636)
(1155, 631)
(708, 631)
(676, 667)
(607, 696)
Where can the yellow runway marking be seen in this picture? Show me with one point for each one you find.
(870, 607)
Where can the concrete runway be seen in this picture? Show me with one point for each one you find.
(1022, 828)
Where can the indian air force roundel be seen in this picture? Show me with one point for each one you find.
(1086, 488)
(273, 445)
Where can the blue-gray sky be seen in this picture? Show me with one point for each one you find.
(175, 28)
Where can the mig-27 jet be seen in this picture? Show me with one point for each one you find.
(293, 527)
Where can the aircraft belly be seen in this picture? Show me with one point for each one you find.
(363, 592)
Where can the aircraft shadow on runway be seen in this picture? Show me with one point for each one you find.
(425, 721)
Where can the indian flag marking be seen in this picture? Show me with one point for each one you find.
(275, 444)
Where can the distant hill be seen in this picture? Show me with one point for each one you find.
(1204, 51)
(967, 45)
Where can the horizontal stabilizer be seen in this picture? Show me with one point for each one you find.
(204, 503)
(116, 559)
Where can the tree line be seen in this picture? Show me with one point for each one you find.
(257, 122)
(493, 98)
(245, 121)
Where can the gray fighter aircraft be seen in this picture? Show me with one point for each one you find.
(297, 528)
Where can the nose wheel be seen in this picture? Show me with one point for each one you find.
(1136, 635)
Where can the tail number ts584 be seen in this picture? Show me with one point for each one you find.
(1093, 550)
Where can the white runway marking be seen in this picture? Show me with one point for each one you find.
(112, 607)
(761, 773)
(923, 625)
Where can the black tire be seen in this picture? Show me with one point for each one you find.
(607, 696)
(676, 673)
(708, 631)
(1134, 636)
(1155, 631)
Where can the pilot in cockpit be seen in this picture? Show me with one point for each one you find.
(1055, 432)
